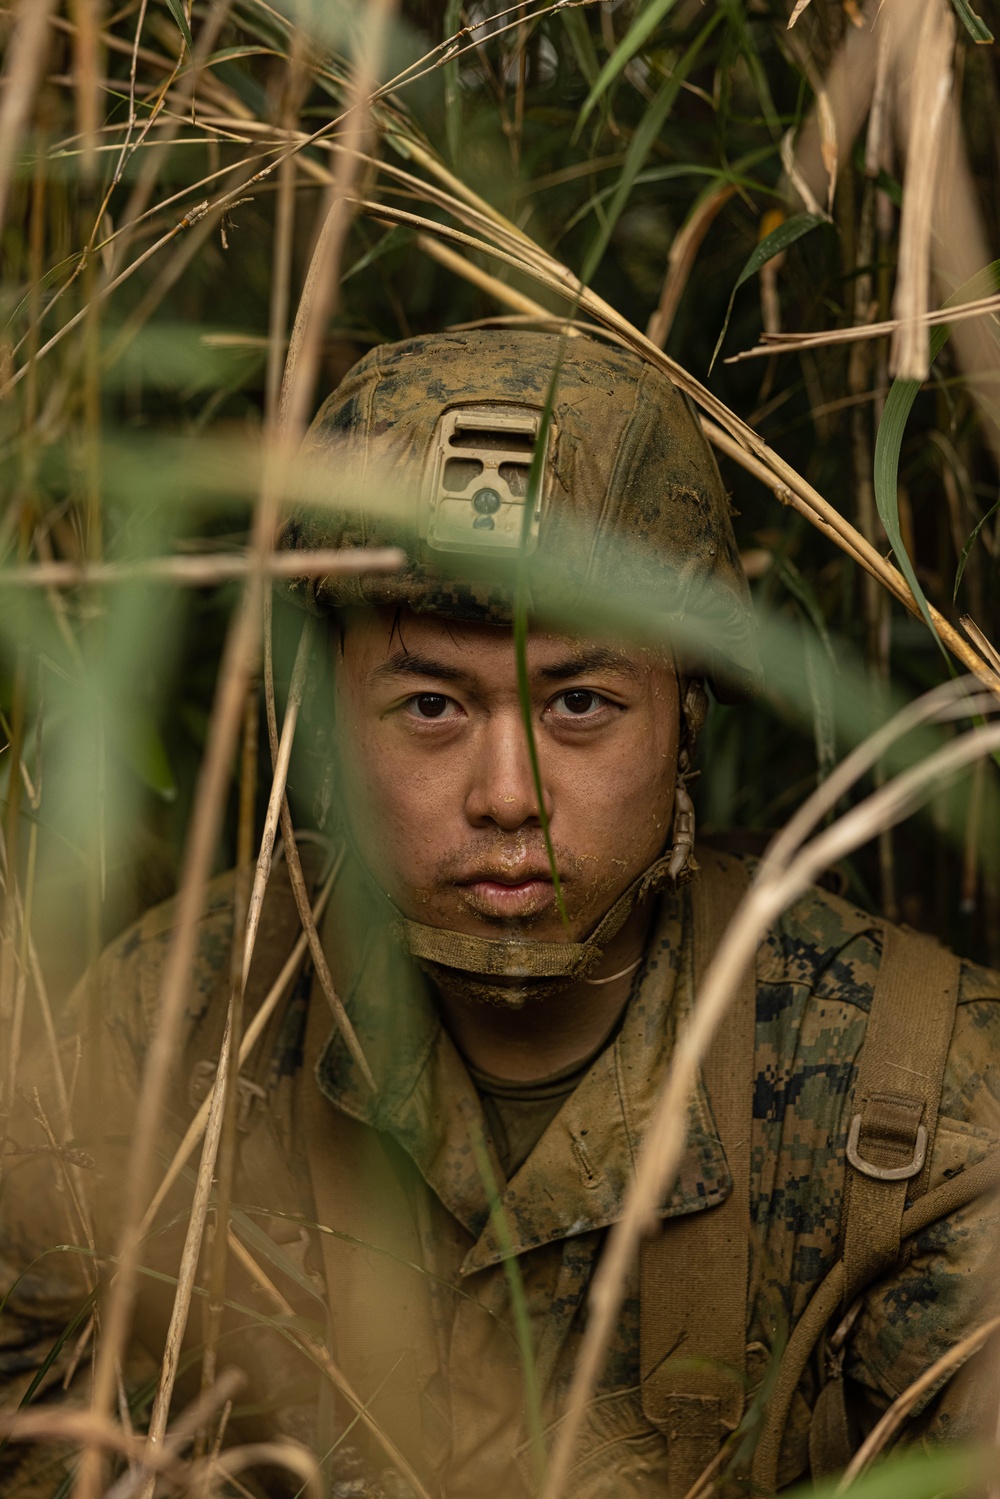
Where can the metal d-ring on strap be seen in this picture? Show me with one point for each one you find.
(886, 1173)
(896, 1099)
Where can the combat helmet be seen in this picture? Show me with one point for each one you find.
(630, 503)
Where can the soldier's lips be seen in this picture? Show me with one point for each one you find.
(494, 897)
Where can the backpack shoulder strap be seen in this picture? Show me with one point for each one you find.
(896, 1097)
(895, 1104)
(694, 1269)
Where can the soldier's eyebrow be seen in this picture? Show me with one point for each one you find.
(597, 658)
(404, 663)
(414, 664)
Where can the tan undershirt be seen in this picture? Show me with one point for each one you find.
(519, 1113)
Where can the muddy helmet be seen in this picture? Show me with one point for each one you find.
(630, 504)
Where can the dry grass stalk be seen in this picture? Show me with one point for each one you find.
(780, 879)
(65, 1424)
(26, 53)
(281, 763)
(224, 1079)
(681, 258)
(792, 342)
(190, 1255)
(286, 1454)
(930, 89)
(321, 1357)
(251, 1036)
(203, 572)
(87, 67)
(509, 296)
(975, 634)
(884, 1431)
(192, 216)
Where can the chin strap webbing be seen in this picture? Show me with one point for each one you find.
(694, 1270)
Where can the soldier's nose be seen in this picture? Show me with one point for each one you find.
(501, 784)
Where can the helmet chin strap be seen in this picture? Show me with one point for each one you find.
(509, 971)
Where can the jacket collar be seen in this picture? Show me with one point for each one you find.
(577, 1177)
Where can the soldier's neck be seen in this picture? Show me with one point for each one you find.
(550, 1034)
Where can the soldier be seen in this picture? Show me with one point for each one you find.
(515, 983)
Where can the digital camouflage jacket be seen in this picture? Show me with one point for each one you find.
(421, 1316)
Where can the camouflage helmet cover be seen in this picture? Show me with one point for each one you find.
(631, 504)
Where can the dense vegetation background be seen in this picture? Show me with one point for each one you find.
(710, 171)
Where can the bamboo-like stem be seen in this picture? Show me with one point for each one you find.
(775, 886)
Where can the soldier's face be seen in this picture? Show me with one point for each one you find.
(437, 773)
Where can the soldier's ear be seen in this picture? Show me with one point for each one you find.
(694, 709)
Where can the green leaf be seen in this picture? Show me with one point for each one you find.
(177, 11)
(639, 31)
(889, 440)
(974, 25)
(642, 143)
(969, 545)
(772, 244)
(536, 475)
(915, 1475)
(801, 589)
(582, 43)
(143, 751)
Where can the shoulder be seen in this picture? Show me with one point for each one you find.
(826, 946)
(130, 971)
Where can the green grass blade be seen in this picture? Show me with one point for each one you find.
(731, 174)
(974, 25)
(889, 441)
(176, 9)
(642, 143)
(772, 244)
(452, 95)
(969, 545)
(536, 477)
(915, 1474)
(640, 30)
(582, 43)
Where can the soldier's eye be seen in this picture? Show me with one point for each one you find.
(579, 702)
(430, 705)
